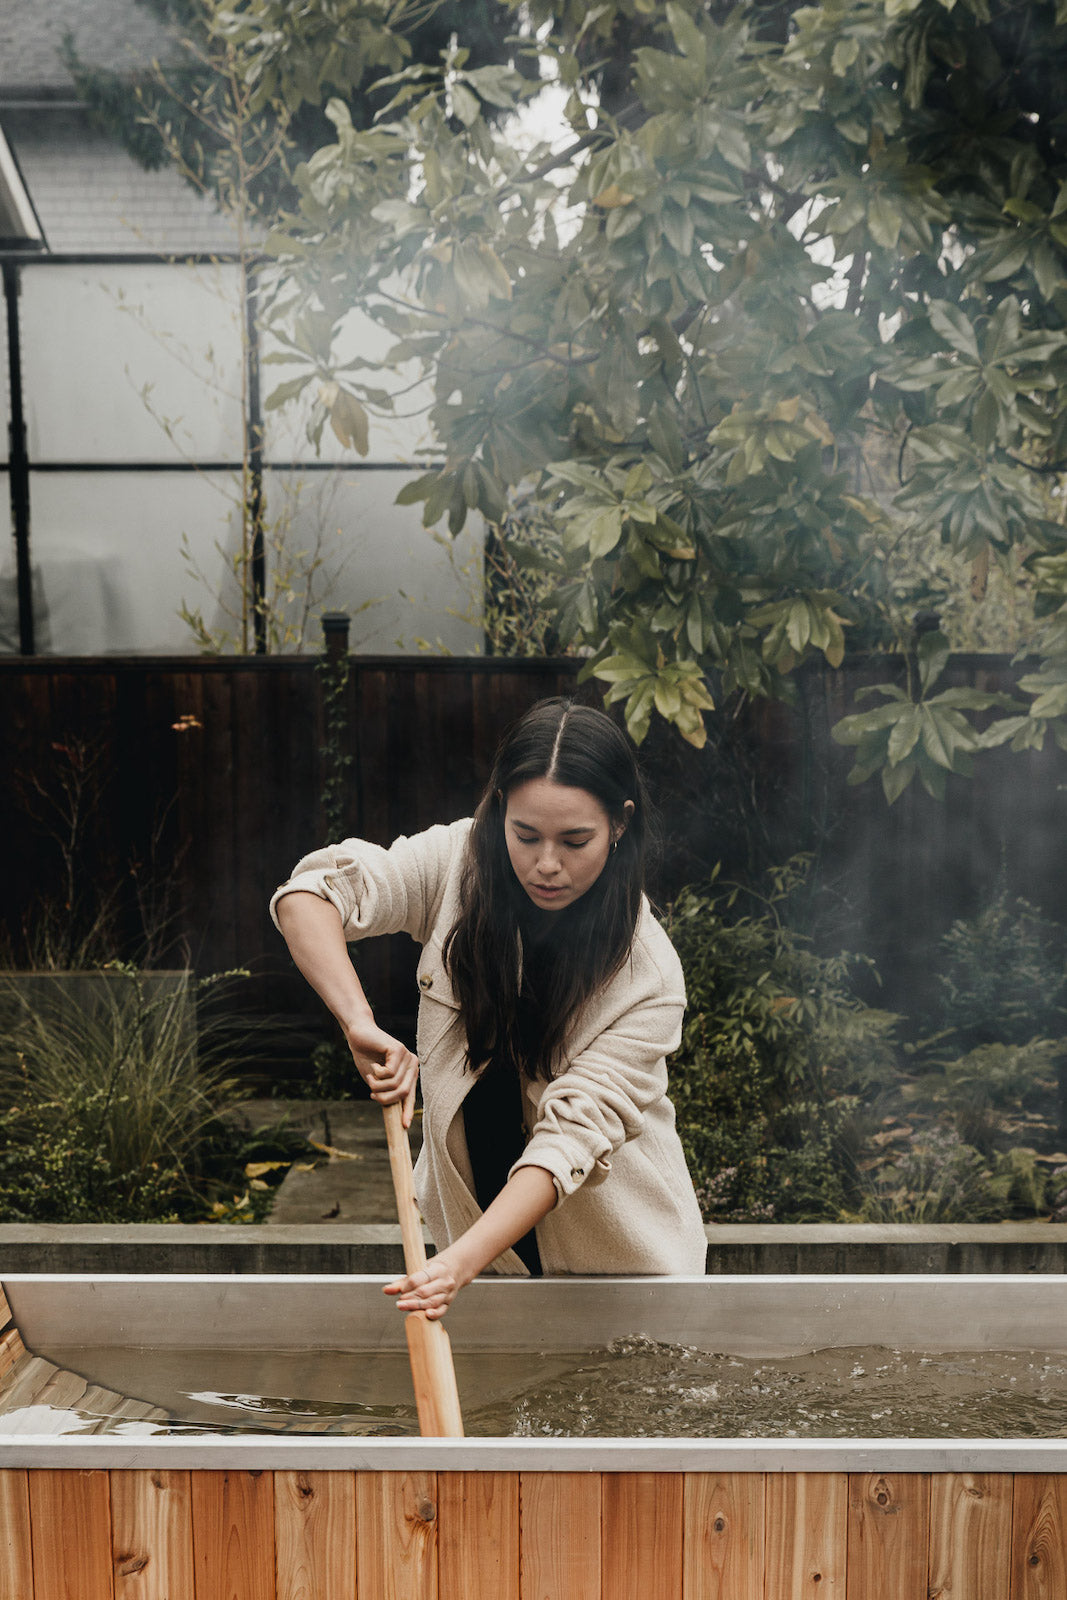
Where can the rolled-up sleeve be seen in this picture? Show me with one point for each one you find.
(598, 1103)
(377, 890)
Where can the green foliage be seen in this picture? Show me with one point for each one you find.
(104, 1097)
(981, 1090)
(337, 757)
(52, 1168)
(796, 1101)
(175, 111)
(917, 732)
(776, 1051)
(783, 240)
(333, 1072)
(1002, 976)
(938, 1179)
(983, 1079)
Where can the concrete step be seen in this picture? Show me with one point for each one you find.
(351, 1182)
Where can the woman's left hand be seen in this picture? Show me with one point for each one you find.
(431, 1289)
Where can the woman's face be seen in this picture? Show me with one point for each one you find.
(558, 840)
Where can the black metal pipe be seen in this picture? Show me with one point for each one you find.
(18, 463)
(231, 466)
(254, 451)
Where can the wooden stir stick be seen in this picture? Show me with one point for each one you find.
(432, 1372)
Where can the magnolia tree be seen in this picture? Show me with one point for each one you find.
(789, 287)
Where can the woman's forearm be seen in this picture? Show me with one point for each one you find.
(314, 932)
(526, 1197)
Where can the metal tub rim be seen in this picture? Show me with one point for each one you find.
(1017, 1300)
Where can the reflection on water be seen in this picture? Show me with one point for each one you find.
(633, 1388)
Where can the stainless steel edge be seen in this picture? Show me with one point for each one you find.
(277, 1453)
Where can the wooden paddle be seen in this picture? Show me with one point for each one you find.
(432, 1372)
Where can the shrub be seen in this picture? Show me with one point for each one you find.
(980, 1093)
(1003, 978)
(938, 1179)
(104, 1104)
(776, 1053)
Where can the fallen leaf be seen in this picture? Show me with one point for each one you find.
(333, 1152)
(892, 1133)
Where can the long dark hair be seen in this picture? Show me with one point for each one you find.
(590, 939)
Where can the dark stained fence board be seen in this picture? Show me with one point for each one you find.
(241, 788)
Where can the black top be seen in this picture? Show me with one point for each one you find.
(492, 1111)
(496, 1138)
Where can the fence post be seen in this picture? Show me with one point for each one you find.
(335, 626)
(336, 757)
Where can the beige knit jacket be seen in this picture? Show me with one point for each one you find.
(603, 1127)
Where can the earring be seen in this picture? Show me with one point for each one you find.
(614, 844)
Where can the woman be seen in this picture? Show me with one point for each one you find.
(550, 999)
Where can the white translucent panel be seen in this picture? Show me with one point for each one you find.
(403, 435)
(404, 588)
(132, 363)
(107, 554)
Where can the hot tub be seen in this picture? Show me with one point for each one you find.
(275, 1514)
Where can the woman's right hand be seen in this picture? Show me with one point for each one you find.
(387, 1066)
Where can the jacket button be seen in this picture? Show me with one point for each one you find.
(577, 1172)
(426, 981)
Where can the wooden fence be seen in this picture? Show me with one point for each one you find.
(206, 775)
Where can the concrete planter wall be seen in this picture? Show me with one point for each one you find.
(1037, 1247)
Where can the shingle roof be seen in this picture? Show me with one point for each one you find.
(114, 33)
(91, 196)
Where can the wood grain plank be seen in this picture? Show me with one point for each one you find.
(70, 1529)
(25, 1384)
(315, 1535)
(641, 1535)
(888, 1535)
(12, 1351)
(233, 1535)
(53, 1404)
(396, 1536)
(152, 1535)
(559, 1555)
(1039, 1537)
(970, 1535)
(478, 1535)
(807, 1536)
(723, 1517)
(16, 1551)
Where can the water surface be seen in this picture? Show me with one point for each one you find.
(631, 1388)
